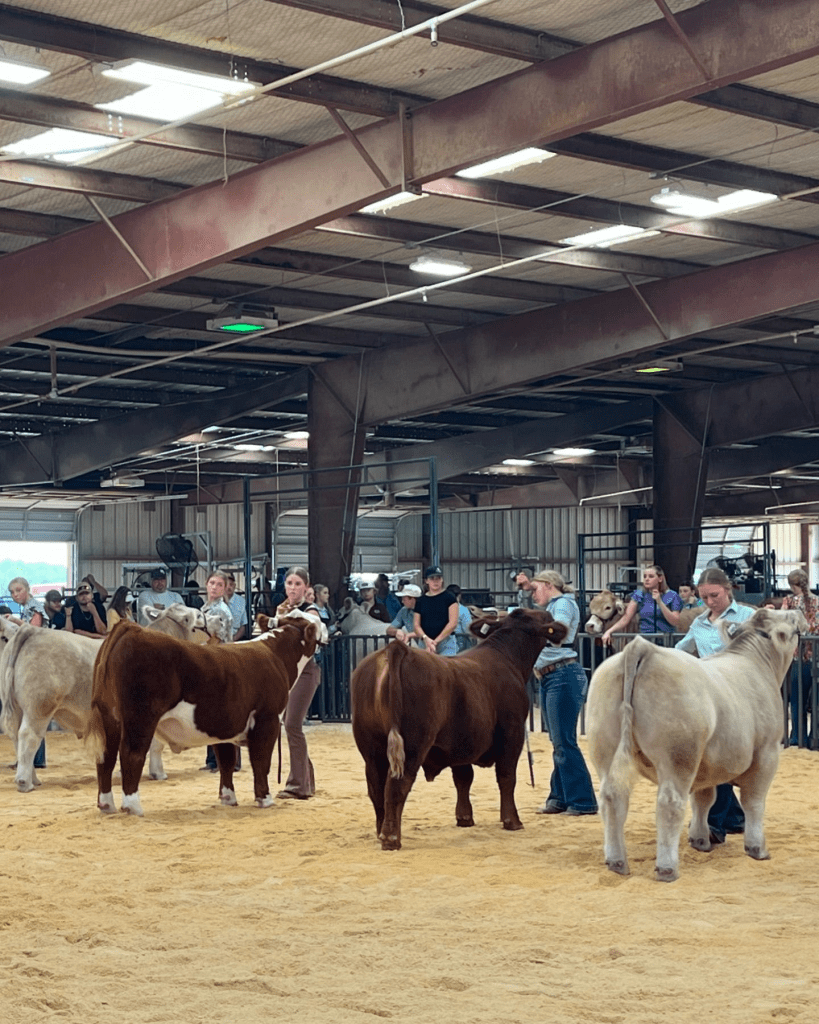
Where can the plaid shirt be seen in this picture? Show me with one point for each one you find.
(810, 609)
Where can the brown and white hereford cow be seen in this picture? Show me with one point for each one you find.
(689, 725)
(48, 673)
(414, 710)
(146, 683)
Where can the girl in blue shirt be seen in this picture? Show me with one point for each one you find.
(659, 607)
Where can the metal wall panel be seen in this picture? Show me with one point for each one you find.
(38, 524)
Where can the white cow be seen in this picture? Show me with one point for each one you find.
(690, 725)
(352, 621)
(48, 673)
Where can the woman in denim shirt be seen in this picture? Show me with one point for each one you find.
(563, 687)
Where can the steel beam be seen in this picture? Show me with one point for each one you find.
(417, 234)
(763, 105)
(577, 92)
(50, 112)
(86, 181)
(468, 453)
(470, 30)
(804, 502)
(693, 166)
(608, 211)
(733, 413)
(578, 335)
(59, 457)
(101, 44)
(771, 456)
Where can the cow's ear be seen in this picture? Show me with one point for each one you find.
(262, 621)
(482, 628)
(556, 632)
(620, 605)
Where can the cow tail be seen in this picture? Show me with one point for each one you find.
(12, 714)
(622, 764)
(396, 755)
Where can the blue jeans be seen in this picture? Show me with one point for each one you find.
(800, 679)
(726, 814)
(40, 757)
(562, 695)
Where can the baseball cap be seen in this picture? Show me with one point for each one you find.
(53, 595)
(158, 574)
(433, 570)
(409, 590)
(83, 587)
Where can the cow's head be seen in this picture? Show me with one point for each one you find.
(537, 624)
(178, 620)
(779, 630)
(267, 624)
(604, 608)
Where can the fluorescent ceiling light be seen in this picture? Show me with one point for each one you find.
(297, 435)
(241, 324)
(573, 452)
(662, 366)
(510, 162)
(688, 204)
(63, 145)
(253, 447)
(171, 93)
(439, 266)
(123, 481)
(21, 72)
(602, 238)
(387, 204)
(142, 72)
(518, 462)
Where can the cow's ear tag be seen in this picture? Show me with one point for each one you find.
(732, 629)
(484, 629)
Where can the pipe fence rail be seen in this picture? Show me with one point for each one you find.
(799, 702)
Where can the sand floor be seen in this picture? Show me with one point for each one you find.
(200, 913)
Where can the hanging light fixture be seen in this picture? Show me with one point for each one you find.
(439, 266)
(21, 72)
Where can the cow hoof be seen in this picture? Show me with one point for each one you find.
(512, 824)
(157, 777)
(105, 802)
(465, 822)
(24, 786)
(390, 843)
(703, 845)
(131, 805)
(619, 867)
(266, 801)
(228, 797)
(666, 874)
(756, 853)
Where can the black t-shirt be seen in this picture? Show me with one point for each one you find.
(434, 612)
(57, 620)
(85, 620)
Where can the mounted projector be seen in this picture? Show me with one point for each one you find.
(242, 324)
(123, 481)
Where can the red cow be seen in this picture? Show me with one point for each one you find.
(414, 710)
(146, 683)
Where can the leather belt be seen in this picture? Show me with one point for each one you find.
(555, 664)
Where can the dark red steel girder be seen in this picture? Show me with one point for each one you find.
(568, 338)
(61, 279)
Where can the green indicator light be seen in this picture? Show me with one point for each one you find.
(242, 328)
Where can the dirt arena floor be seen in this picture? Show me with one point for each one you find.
(199, 913)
